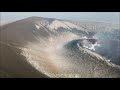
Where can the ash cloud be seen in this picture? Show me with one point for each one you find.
(109, 44)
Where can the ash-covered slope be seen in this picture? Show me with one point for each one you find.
(41, 47)
(108, 36)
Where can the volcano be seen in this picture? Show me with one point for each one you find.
(38, 47)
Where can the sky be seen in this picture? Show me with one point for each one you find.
(109, 17)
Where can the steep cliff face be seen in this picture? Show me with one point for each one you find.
(47, 47)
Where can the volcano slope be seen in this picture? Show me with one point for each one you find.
(40, 47)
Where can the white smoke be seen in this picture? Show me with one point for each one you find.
(93, 46)
(89, 45)
(84, 37)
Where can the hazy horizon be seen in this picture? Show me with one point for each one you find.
(108, 17)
